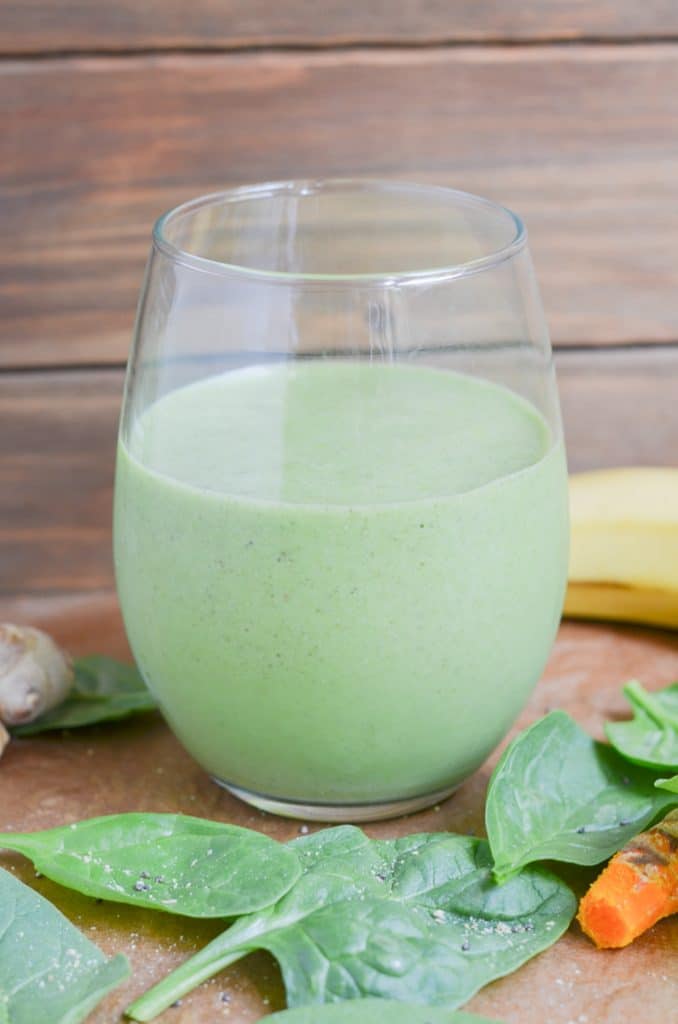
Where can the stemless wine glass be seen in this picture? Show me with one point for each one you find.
(341, 495)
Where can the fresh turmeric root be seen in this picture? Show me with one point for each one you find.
(637, 888)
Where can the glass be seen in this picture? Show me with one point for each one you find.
(341, 496)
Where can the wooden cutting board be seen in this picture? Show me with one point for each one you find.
(138, 765)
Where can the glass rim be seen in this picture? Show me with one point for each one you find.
(302, 187)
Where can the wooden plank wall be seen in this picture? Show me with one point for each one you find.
(111, 113)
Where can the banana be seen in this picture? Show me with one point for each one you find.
(622, 604)
(624, 546)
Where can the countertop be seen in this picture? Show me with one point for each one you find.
(138, 765)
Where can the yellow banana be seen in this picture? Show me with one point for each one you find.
(624, 546)
(622, 604)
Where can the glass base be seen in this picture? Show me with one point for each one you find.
(336, 813)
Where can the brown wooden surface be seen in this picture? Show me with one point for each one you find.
(583, 141)
(57, 779)
(39, 25)
(57, 450)
(619, 408)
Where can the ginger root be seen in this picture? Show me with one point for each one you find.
(35, 674)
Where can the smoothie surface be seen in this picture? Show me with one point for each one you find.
(339, 433)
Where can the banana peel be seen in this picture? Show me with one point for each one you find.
(621, 604)
(624, 546)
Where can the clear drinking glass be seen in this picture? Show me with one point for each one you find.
(341, 496)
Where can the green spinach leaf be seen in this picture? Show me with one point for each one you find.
(374, 1011)
(670, 784)
(413, 919)
(104, 690)
(556, 794)
(49, 972)
(651, 737)
(168, 862)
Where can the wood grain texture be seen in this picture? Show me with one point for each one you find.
(134, 766)
(619, 408)
(57, 451)
(42, 25)
(57, 448)
(583, 141)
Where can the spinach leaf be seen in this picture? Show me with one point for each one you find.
(557, 794)
(651, 737)
(168, 862)
(374, 1011)
(103, 690)
(49, 972)
(413, 919)
(670, 784)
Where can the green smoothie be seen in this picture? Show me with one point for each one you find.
(341, 580)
